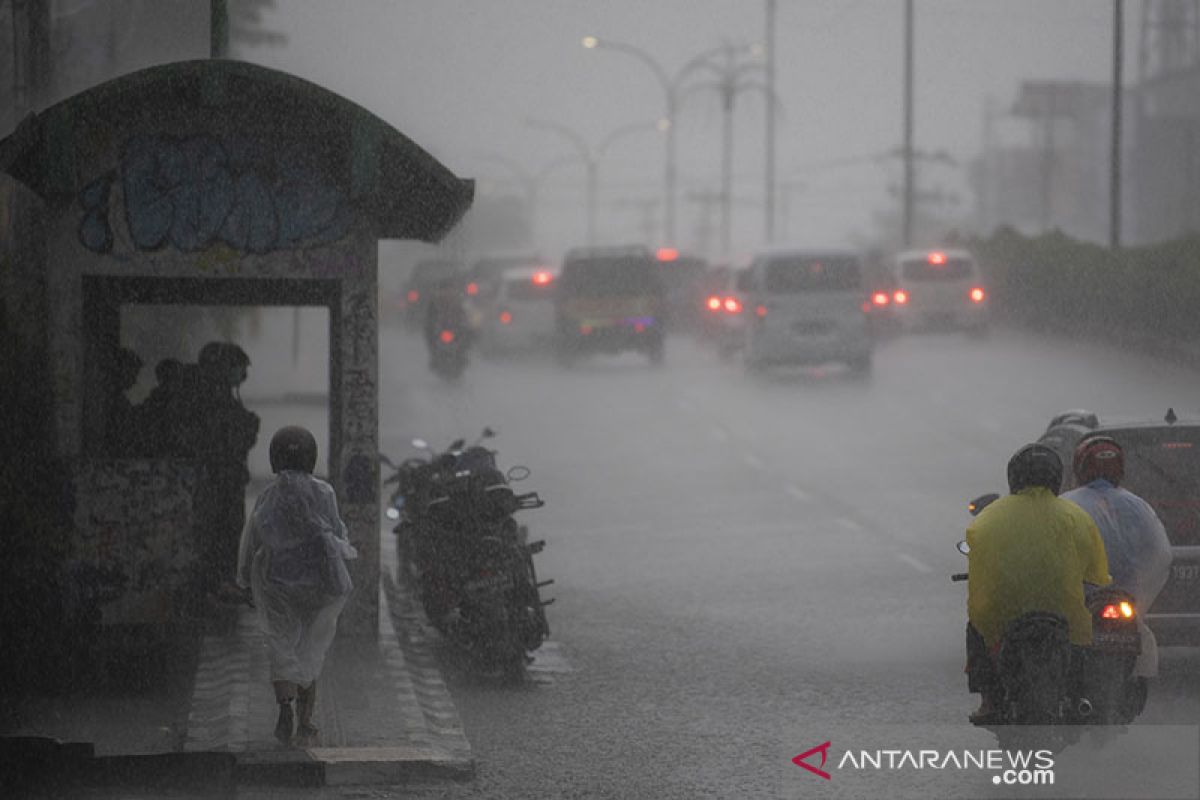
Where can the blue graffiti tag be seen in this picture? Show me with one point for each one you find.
(193, 193)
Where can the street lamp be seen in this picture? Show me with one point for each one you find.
(731, 76)
(530, 182)
(591, 157)
(671, 89)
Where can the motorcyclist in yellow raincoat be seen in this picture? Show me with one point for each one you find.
(1029, 551)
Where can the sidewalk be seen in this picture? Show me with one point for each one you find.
(384, 713)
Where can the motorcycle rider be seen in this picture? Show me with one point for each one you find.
(1029, 551)
(1139, 552)
(445, 311)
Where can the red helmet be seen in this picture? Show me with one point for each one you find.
(1099, 457)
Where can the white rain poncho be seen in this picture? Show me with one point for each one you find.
(292, 558)
(1139, 552)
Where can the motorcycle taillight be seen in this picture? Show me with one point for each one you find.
(1121, 610)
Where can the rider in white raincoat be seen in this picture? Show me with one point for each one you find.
(292, 557)
(1139, 552)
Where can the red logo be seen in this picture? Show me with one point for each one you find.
(823, 749)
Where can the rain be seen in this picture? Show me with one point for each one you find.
(697, 324)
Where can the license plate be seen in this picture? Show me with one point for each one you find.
(1118, 640)
(490, 583)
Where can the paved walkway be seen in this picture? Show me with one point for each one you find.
(383, 710)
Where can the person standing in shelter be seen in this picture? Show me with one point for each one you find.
(292, 558)
(224, 433)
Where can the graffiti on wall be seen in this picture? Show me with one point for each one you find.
(192, 193)
(135, 548)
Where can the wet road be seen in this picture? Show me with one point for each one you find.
(748, 566)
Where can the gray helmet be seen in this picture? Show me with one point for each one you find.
(293, 448)
(1035, 465)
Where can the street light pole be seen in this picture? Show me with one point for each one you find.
(908, 123)
(769, 189)
(670, 85)
(591, 158)
(1114, 225)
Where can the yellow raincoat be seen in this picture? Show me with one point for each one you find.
(1032, 551)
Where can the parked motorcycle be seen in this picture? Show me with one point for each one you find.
(470, 561)
(1046, 681)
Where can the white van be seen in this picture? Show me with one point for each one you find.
(939, 289)
(806, 307)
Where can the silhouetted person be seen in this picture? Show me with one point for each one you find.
(223, 433)
(120, 429)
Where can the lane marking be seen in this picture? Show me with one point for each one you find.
(753, 461)
(798, 493)
(917, 564)
(848, 524)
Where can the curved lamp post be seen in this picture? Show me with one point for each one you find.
(671, 85)
(590, 156)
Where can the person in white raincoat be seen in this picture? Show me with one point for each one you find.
(1139, 552)
(292, 557)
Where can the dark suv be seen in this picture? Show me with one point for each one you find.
(609, 299)
(1162, 465)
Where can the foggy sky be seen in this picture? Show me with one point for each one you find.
(461, 77)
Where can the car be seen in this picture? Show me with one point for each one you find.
(807, 306)
(725, 309)
(415, 293)
(938, 289)
(483, 278)
(609, 300)
(681, 275)
(521, 314)
(1162, 466)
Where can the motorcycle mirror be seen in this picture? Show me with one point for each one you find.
(420, 444)
(393, 514)
(963, 547)
(982, 502)
(457, 444)
(517, 473)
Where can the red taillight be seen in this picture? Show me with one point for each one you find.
(505, 317)
(447, 337)
(880, 299)
(901, 297)
(977, 295)
(413, 295)
(639, 327)
(713, 303)
(733, 305)
(667, 254)
(1122, 610)
(937, 258)
(542, 277)
(761, 311)
(472, 288)
(585, 329)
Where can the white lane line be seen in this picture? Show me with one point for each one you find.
(848, 524)
(720, 434)
(798, 493)
(917, 564)
(753, 461)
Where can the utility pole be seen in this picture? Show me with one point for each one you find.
(219, 29)
(908, 123)
(769, 211)
(1114, 224)
(31, 66)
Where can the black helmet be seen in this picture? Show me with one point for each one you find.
(223, 354)
(1035, 465)
(295, 448)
